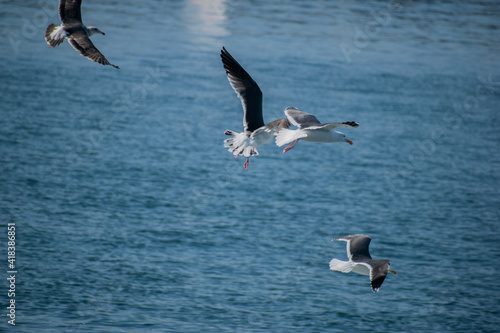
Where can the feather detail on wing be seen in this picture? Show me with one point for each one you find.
(82, 43)
(301, 119)
(247, 90)
(70, 11)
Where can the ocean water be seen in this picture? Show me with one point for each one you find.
(132, 217)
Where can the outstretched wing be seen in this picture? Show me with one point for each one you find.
(357, 247)
(81, 42)
(279, 124)
(70, 11)
(247, 90)
(330, 126)
(301, 119)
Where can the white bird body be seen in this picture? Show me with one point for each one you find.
(322, 135)
(318, 135)
(310, 129)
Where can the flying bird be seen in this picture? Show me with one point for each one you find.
(75, 32)
(256, 133)
(310, 129)
(361, 262)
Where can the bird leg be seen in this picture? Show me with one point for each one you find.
(290, 146)
(246, 164)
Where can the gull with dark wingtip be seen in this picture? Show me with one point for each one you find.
(361, 262)
(310, 129)
(75, 32)
(256, 133)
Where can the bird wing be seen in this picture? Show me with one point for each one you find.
(82, 43)
(357, 246)
(331, 126)
(247, 90)
(70, 11)
(279, 124)
(378, 272)
(301, 119)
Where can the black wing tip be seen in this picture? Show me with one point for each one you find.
(105, 63)
(228, 60)
(100, 59)
(377, 283)
(224, 53)
(351, 123)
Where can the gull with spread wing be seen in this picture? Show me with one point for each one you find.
(361, 262)
(256, 133)
(310, 129)
(75, 32)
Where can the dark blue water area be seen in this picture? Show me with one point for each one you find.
(132, 217)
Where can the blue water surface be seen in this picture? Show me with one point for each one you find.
(132, 217)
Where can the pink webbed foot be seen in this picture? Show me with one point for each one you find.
(246, 164)
(290, 146)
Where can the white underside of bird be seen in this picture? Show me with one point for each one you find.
(310, 134)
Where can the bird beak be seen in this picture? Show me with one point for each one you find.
(348, 141)
(393, 272)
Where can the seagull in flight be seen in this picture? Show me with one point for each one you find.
(361, 262)
(75, 32)
(310, 129)
(256, 133)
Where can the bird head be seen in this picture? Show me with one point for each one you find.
(94, 30)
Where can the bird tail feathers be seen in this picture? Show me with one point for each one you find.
(239, 144)
(286, 135)
(54, 35)
(341, 266)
